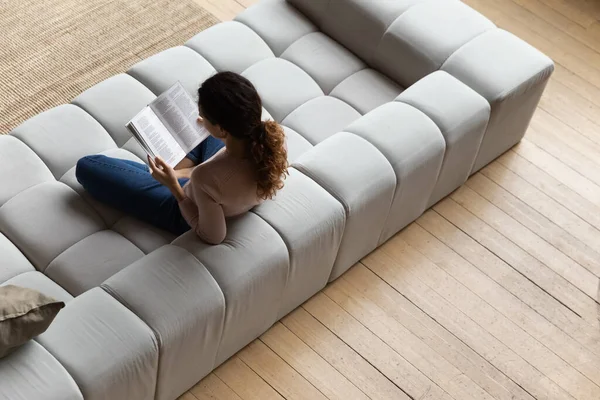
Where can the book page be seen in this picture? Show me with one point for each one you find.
(157, 138)
(179, 113)
(140, 139)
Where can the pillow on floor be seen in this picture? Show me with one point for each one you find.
(24, 314)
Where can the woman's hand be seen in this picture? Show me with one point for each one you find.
(166, 175)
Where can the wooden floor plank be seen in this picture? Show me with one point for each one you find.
(435, 335)
(543, 204)
(244, 381)
(494, 295)
(552, 187)
(577, 84)
(547, 279)
(277, 373)
(405, 343)
(342, 357)
(559, 170)
(213, 388)
(511, 280)
(576, 10)
(586, 170)
(310, 365)
(549, 255)
(571, 109)
(414, 266)
(573, 12)
(561, 141)
(537, 224)
(501, 356)
(378, 353)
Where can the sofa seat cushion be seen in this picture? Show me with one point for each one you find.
(62, 135)
(12, 262)
(282, 86)
(321, 117)
(92, 260)
(144, 236)
(31, 372)
(21, 168)
(296, 144)
(47, 219)
(37, 281)
(108, 350)
(113, 102)
(366, 90)
(325, 60)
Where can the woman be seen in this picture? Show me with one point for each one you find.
(242, 163)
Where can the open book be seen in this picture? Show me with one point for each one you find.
(168, 127)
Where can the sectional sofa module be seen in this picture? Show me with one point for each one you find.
(388, 106)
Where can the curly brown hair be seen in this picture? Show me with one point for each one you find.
(231, 101)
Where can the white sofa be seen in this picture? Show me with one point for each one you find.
(388, 105)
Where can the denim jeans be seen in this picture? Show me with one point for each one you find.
(129, 187)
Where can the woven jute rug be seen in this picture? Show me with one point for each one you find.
(52, 50)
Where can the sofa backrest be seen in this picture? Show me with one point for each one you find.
(404, 39)
(357, 24)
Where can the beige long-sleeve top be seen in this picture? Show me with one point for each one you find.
(221, 187)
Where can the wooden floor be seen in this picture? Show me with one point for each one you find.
(494, 293)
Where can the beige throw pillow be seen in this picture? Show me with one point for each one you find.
(24, 314)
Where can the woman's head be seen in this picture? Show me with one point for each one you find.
(232, 108)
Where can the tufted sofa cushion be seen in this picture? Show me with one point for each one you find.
(33, 373)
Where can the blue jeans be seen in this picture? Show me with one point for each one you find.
(129, 187)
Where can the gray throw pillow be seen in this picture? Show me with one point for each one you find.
(24, 314)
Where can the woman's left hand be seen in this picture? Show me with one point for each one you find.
(163, 173)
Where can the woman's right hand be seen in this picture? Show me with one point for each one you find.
(162, 172)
